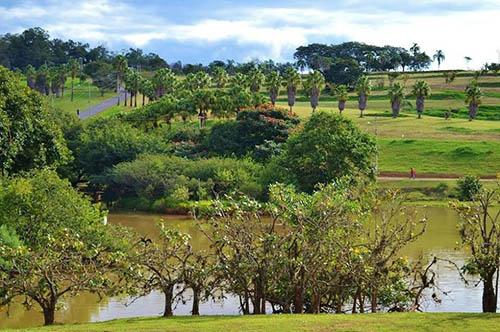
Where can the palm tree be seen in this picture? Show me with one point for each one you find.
(467, 59)
(315, 83)
(63, 75)
(273, 84)
(363, 88)
(342, 95)
(74, 67)
(42, 79)
(55, 82)
(421, 90)
(146, 89)
(164, 81)
(473, 96)
(239, 80)
(121, 65)
(255, 80)
(30, 76)
(396, 95)
(439, 57)
(220, 77)
(293, 81)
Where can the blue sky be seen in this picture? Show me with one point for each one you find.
(201, 31)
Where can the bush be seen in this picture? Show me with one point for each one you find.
(252, 128)
(168, 180)
(468, 187)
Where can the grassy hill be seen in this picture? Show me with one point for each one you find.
(288, 323)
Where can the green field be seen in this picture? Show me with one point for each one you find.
(288, 323)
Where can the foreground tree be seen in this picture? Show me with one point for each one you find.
(396, 95)
(342, 96)
(29, 135)
(473, 96)
(363, 88)
(480, 233)
(293, 81)
(60, 251)
(314, 84)
(421, 90)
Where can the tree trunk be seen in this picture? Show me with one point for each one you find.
(395, 108)
(125, 102)
(196, 302)
(420, 106)
(298, 299)
(169, 294)
(49, 313)
(489, 296)
(341, 105)
(316, 303)
(143, 99)
(374, 300)
(131, 98)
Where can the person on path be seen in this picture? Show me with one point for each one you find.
(413, 173)
(77, 112)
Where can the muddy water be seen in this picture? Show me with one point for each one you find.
(439, 240)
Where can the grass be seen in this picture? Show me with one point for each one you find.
(434, 157)
(289, 323)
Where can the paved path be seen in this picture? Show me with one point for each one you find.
(91, 111)
(397, 178)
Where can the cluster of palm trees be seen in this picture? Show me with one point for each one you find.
(52, 79)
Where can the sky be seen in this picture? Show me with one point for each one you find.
(206, 30)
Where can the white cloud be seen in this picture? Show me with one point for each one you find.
(274, 32)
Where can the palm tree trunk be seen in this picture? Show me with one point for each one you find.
(72, 88)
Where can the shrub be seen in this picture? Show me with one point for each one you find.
(468, 187)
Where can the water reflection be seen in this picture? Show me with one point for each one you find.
(439, 240)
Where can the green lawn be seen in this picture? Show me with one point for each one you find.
(287, 323)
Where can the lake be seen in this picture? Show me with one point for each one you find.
(439, 240)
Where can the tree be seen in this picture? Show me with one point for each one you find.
(273, 84)
(468, 188)
(220, 77)
(480, 234)
(342, 96)
(29, 135)
(439, 57)
(396, 95)
(293, 81)
(74, 68)
(62, 251)
(363, 88)
(473, 96)
(164, 82)
(121, 66)
(467, 59)
(421, 90)
(203, 99)
(314, 84)
(328, 147)
(255, 80)
(165, 261)
(30, 76)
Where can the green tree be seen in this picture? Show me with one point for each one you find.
(315, 82)
(421, 90)
(255, 80)
(74, 68)
(329, 147)
(62, 251)
(363, 88)
(342, 96)
(273, 84)
(473, 98)
(396, 95)
(220, 77)
(164, 82)
(480, 234)
(29, 136)
(468, 187)
(293, 81)
(120, 64)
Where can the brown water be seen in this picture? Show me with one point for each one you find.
(439, 240)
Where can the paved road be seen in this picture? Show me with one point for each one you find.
(91, 111)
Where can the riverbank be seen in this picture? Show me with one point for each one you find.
(324, 322)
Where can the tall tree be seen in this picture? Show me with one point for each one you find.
(273, 84)
(315, 82)
(439, 57)
(121, 65)
(220, 77)
(480, 234)
(342, 95)
(396, 95)
(255, 79)
(473, 96)
(74, 68)
(164, 82)
(293, 81)
(363, 88)
(421, 90)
